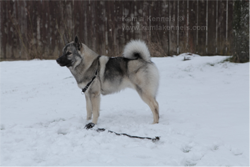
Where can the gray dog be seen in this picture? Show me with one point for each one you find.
(97, 74)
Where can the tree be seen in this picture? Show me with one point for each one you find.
(241, 31)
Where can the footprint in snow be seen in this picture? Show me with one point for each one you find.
(62, 131)
(188, 163)
(236, 151)
(187, 148)
(2, 127)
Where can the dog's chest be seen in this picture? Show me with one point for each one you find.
(82, 85)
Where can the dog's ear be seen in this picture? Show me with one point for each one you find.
(76, 39)
(78, 44)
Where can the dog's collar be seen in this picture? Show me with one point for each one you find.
(87, 86)
(90, 82)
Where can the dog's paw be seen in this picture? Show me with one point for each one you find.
(89, 125)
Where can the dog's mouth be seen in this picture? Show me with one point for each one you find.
(64, 63)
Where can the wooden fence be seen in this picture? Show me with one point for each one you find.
(35, 29)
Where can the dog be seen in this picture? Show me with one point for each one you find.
(97, 75)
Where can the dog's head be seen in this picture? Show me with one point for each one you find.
(71, 54)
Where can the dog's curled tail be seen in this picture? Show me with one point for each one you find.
(136, 49)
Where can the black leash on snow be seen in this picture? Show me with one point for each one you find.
(91, 125)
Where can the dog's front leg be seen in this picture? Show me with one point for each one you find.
(88, 106)
(95, 100)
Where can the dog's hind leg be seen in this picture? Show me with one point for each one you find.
(88, 107)
(151, 101)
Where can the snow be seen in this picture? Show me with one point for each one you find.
(204, 117)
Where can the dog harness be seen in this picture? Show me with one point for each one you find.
(87, 86)
(90, 82)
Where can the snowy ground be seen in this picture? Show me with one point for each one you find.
(204, 117)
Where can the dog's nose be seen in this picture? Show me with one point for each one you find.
(58, 61)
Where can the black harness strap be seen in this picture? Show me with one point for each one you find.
(87, 86)
(90, 82)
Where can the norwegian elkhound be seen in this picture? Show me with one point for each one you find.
(97, 74)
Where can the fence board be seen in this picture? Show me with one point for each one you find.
(230, 36)
(201, 47)
(153, 23)
(98, 26)
(182, 26)
(115, 29)
(112, 41)
(192, 24)
(138, 15)
(3, 25)
(222, 27)
(85, 7)
(165, 24)
(89, 25)
(173, 27)
(10, 24)
(212, 28)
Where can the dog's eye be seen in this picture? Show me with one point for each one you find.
(68, 53)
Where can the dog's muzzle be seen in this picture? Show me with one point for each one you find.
(63, 62)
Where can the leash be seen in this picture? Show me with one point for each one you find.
(91, 125)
